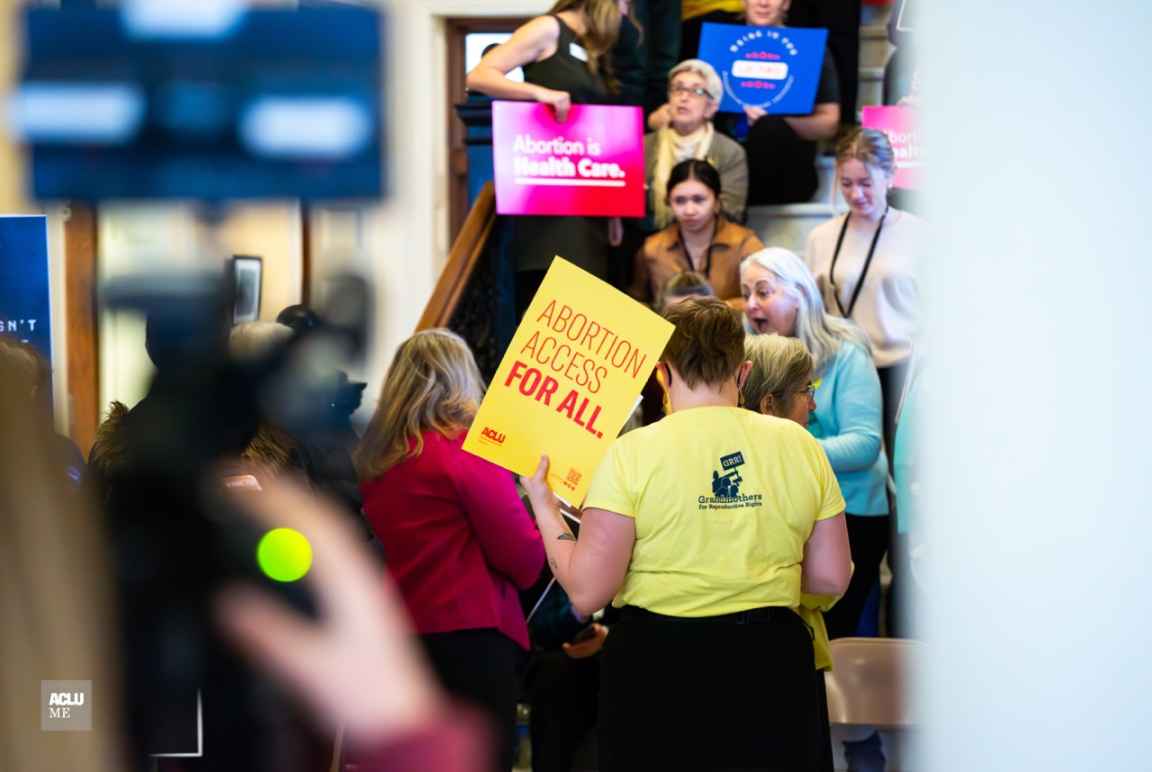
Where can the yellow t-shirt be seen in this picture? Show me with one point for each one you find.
(724, 501)
(811, 610)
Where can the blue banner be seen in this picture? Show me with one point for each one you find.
(25, 294)
(774, 68)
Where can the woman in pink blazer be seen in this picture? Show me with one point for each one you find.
(456, 536)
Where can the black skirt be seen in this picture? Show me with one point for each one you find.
(675, 693)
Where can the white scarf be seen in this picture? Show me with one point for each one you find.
(671, 149)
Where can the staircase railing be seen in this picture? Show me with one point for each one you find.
(463, 258)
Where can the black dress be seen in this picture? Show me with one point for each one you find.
(781, 163)
(534, 241)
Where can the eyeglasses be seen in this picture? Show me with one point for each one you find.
(809, 390)
(699, 91)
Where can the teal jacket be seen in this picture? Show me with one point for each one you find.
(848, 421)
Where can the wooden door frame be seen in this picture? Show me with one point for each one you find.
(82, 324)
(456, 28)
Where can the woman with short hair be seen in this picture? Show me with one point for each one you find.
(780, 384)
(781, 297)
(682, 129)
(458, 540)
(704, 527)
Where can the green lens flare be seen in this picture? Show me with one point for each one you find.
(284, 555)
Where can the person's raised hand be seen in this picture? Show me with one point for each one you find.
(561, 102)
(660, 117)
(357, 665)
(588, 646)
(754, 114)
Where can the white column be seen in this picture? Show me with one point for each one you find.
(1038, 424)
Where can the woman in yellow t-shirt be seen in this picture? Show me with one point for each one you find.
(704, 528)
(780, 384)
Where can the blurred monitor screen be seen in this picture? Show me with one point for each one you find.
(267, 103)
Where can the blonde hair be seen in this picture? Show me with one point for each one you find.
(602, 29)
(433, 383)
(27, 365)
(57, 615)
(820, 332)
(781, 367)
(868, 146)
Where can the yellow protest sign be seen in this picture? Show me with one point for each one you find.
(569, 379)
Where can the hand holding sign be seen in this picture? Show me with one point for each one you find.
(560, 101)
(592, 164)
(567, 383)
(537, 488)
(754, 114)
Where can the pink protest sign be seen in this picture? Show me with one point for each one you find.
(902, 126)
(592, 164)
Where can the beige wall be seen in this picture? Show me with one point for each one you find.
(11, 164)
(404, 242)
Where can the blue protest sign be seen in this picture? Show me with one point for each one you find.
(774, 68)
(25, 294)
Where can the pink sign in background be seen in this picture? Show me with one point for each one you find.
(591, 165)
(902, 125)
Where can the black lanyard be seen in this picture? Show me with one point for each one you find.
(847, 314)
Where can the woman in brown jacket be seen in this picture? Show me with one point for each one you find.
(700, 239)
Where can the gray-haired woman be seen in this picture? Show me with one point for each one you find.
(781, 297)
(682, 129)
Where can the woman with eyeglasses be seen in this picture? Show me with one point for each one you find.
(682, 129)
(781, 297)
(780, 384)
(700, 237)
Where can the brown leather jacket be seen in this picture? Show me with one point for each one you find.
(663, 256)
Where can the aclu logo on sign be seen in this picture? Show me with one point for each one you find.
(66, 706)
(491, 435)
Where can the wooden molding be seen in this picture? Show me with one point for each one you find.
(462, 258)
(80, 279)
(457, 29)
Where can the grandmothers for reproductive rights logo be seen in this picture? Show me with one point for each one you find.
(726, 483)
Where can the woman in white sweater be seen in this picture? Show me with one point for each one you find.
(865, 260)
